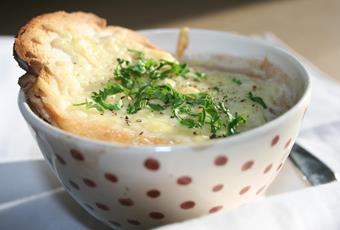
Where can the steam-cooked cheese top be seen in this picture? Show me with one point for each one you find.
(255, 99)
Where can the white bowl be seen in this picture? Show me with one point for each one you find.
(147, 186)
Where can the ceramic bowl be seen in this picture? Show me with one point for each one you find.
(136, 187)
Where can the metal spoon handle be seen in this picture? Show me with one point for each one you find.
(315, 171)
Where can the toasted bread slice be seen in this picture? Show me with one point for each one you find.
(69, 55)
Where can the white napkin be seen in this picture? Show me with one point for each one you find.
(314, 208)
(16, 143)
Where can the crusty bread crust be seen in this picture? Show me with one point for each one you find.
(31, 49)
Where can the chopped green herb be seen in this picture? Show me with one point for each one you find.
(101, 96)
(237, 81)
(156, 107)
(258, 100)
(90, 105)
(216, 88)
(141, 81)
(236, 122)
(201, 75)
(139, 54)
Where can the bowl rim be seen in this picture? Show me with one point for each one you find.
(31, 117)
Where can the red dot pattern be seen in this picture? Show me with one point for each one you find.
(111, 177)
(126, 202)
(153, 193)
(221, 160)
(268, 168)
(184, 180)
(152, 164)
(187, 205)
(103, 207)
(60, 159)
(90, 183)
(247, 165)
(77, 155)
(275, 140)
(215, 209)
(217, 188)
(156, 215)
(244, 190)
(133, 222)
(74, 184)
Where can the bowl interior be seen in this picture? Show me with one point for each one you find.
(203, 44)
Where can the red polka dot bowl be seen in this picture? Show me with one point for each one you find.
(134, 187)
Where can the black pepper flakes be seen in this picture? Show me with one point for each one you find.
(127, 121)
(271, 110)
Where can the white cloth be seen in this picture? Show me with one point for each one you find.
(16, 143)
(313, 208)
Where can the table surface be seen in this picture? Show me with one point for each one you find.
(311, 27)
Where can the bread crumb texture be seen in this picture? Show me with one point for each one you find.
(70, 55)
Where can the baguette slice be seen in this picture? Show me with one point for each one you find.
(69, 55)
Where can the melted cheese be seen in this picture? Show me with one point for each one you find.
(93, 59)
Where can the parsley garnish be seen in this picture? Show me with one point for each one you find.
(141, 81)
(91, 105)
(201, 75)
(216, 88)
(258, 100)
(110, 89)
(236, 122)
(237, 81)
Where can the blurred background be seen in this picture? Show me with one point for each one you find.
(311, 27)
